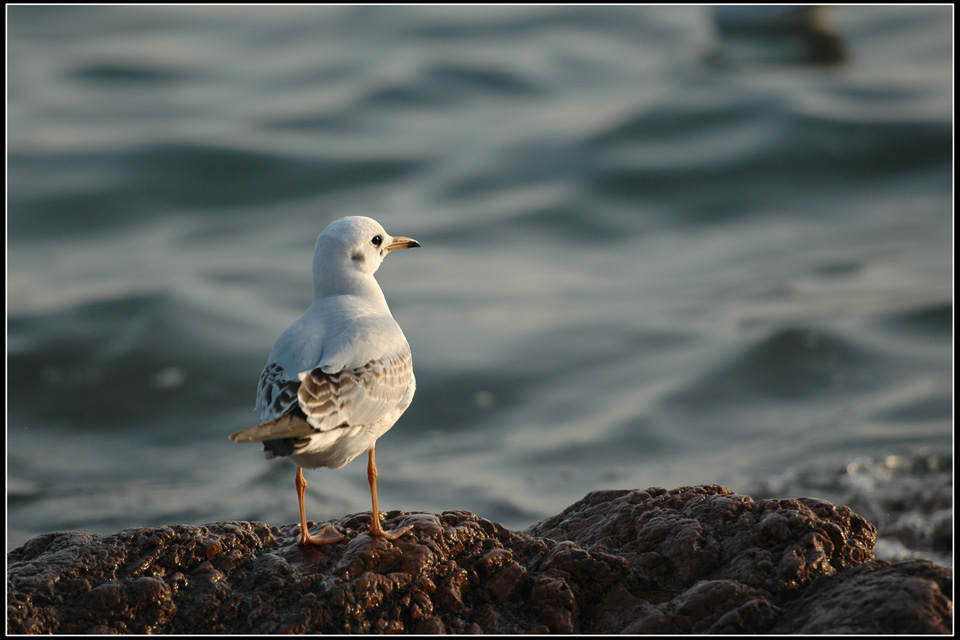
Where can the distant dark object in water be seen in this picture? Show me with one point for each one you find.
(777, 35)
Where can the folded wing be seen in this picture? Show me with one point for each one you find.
(363, 395)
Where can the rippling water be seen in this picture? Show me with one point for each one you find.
(658, 251)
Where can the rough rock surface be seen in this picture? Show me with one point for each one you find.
(690, 560)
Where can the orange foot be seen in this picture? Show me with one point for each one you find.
(377, 530)
(324, 538)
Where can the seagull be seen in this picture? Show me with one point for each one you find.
(340, 376)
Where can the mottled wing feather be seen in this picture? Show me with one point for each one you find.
(276, 394)
(330, 400)
(290, 425)
(355, 396)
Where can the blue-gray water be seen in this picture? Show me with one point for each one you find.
(655, 252)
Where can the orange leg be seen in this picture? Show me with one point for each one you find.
(375, 528)
(305, 537)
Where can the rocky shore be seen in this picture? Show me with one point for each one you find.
(689, 560)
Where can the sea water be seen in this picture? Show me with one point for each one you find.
(657, 251)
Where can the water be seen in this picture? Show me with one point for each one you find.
(656, 251)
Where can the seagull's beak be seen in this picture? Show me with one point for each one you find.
(399, 242)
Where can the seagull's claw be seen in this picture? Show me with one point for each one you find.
(323, 539)
(392, 535)
(377, 530)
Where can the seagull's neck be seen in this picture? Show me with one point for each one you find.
(351, 283)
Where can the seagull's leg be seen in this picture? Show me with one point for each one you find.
(305, 537)
(375, 528)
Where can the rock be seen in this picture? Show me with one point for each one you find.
(907, 497)
(690, 560)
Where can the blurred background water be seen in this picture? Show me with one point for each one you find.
(662, 246)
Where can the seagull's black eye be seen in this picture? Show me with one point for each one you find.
(377, 240)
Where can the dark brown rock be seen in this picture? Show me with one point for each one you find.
(691, 560)
(675, 538)
(909, 596)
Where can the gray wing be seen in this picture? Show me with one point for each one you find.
(356, 396)
(330, 400)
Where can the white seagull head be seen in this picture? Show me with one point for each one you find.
(351, 248)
